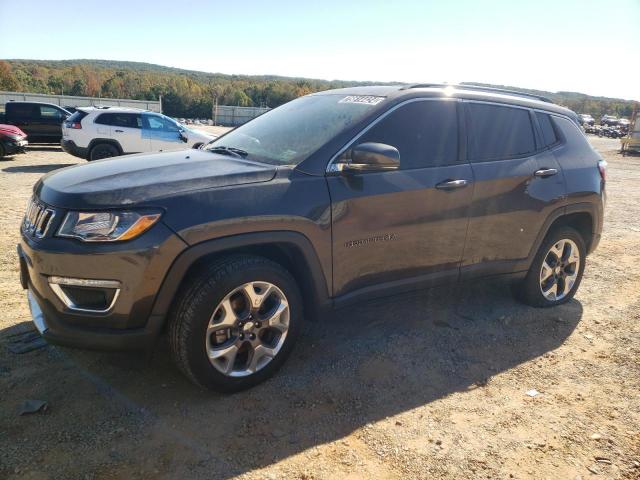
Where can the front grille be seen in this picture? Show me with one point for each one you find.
(37, 219)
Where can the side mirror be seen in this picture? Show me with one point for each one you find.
(372, 157)
(182, 136)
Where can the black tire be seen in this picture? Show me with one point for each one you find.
(2, 152)
(529, 291)
(195, 306)
(103, 150)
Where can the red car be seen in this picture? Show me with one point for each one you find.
(12, 140)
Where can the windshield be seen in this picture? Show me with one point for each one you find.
(289, 133)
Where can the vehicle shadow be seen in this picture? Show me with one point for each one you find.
(357, 366)
(45, 168)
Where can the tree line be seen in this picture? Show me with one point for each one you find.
(191, 94)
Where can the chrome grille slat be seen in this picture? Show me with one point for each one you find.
(37, 219)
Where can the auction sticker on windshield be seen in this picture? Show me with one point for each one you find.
(366, 99)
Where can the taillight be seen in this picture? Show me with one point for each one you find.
(602, 166)
(75, 125)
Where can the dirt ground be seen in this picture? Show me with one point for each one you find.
(430, 385)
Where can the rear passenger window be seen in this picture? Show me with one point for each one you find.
(424, 132)
(548, 131)
(497, 132)
(129, 120)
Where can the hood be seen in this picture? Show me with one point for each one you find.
(202, 135)
(11, 130)
(145, 178)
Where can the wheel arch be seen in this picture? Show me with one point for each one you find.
(583, 217)
(292, 250)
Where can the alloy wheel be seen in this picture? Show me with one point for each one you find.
(247, 329)
(559, 270)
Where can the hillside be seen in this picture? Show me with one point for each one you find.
(190, 93)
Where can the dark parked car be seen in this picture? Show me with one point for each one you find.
(586, 119)
(12, 140)
(42, 122)
(609, 120)
(334, 197)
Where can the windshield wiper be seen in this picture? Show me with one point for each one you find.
(231, 151)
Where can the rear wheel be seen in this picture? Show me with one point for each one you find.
(103, 150)
(235, 323)
(2, 151)
(556, 272)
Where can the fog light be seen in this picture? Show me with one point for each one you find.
(86, 295)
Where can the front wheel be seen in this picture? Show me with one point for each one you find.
(235, 323)
(556, 271)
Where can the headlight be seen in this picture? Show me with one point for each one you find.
(106, 226)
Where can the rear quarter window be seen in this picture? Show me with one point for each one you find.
(549, 135)
(498, 132)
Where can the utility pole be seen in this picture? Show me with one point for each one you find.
(214, 113)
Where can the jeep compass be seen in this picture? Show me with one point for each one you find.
(331, 198)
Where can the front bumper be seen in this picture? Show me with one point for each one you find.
(139, 265)
(70, 147)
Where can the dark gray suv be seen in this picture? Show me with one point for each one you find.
(331, 198)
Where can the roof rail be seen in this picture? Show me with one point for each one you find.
(480, 89)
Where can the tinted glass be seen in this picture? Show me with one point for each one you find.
(424, 132)
(22, 110)
(548, 132)
(497, 132)
(77, 116)
(290, 133)
(128, 120)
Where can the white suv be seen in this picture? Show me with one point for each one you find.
(101, 132)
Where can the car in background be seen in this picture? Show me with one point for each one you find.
(12, 140)
(586, 119)
(70, 109)
(609, 120)
(42, 122)
(94, 133)
(624, 124)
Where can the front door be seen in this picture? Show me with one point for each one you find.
(49, 122)
(397, 227)
(163, 133)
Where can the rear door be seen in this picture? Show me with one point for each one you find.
(26, 116)
(126, 129)
(408, 225)
(517, 184)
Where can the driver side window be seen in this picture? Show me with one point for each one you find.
(424, 132)
(158, 123)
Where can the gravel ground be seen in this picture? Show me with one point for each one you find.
(428, 385)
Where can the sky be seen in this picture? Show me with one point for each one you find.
(583, 46)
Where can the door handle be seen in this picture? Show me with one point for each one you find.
(118, 131)
(546, 172)
(452, 184)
